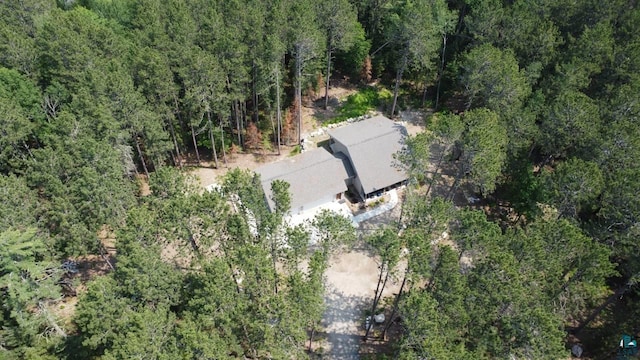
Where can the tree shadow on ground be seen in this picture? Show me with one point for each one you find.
(342, 323)
(600, 339)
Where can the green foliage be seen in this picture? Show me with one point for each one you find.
(121, 11)
(28, 284)
(571, 125)
(20, 106)
(295, 151)
(387, 245)
(483, 149)
(415, 157)
(474, 234)
(167, 183)
(281, 197)
(361, 103)
(523, 189)
(333, 231)
(354, 57)
(95, 92)
(491, 78)
(144, 278)
(502, 300)
(20, 204)
(574, 186)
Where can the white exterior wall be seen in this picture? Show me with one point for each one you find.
(324, 200)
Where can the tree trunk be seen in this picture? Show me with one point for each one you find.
(425, 89)
(456, 183)
(429, 285)
(395, 305)
(24, 143)
(573, 278)
(298, 91)
(254, 352)
(399, 74)
(224, 152)
(233, 117)
(194, 244)
(236, 110)
(176, 109)
(175, 143)
(177, 112)
(50, 319)
(441, 70)
(377, 296)
(213, 142)
(403, 202)
(278, 110)
(274, 263)
(243, 119)
(144, 164)
(103, 255)
(594, 314)
(313, 331)
(273, 127)
(326, 84)
(255, 93)
(195, 144)
(435, 174)
(453, 188)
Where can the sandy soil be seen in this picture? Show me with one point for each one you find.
(207, 174)
(351, 283)
(88, 268)
(414, 121)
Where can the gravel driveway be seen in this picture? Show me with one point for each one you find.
(351, 282)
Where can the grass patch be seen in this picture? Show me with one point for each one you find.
(296, 150)
(361, 103)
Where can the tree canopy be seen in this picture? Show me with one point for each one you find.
(520, 223)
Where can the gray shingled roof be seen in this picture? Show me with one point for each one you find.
(372, 144)
(312, 176)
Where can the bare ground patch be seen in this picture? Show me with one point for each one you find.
(351, 281)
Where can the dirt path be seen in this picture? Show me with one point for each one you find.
(351, 282)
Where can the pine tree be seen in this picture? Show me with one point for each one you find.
(253, 137)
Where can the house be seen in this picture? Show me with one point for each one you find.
(315, 177)
(360, 159)
(370, 146)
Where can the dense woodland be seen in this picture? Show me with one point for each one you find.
(536, 108)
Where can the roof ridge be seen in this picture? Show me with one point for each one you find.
(298, 169)
(390, 132)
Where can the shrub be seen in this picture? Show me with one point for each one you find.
(361, 103)
(296, 150)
